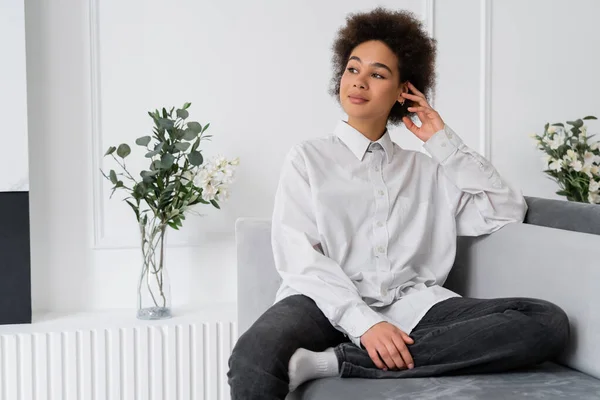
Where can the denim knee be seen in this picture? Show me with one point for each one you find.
(556, 321)
(252, 354)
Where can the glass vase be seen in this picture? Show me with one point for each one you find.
(154, 292)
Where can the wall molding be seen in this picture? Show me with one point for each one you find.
(99, 238)
(96, 129)
(100, 241)
(485, 80)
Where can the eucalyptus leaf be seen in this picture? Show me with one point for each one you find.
(113, 177)
(151, 154)
(189, 134)
(144, 174)
(124, 150)
(143, 141)
(195, 158)
(205, 127)
(214, 203)
(589, 117)
(159, 146)
(577, 124)
(194, 126)
(182, 146)
(110, 150)
(196, 144)
(167, 160)
(165, 123)
(135, 209)
(183, 114)
(156, 164)
(186, 106)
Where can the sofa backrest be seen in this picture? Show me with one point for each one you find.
(566, 215)
(522, 260)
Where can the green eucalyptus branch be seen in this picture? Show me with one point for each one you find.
(166, 189)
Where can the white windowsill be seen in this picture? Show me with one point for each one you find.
(53, 321)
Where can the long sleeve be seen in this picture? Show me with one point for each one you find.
(295, 239)
(481, 200)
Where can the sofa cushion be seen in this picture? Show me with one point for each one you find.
(547, 381)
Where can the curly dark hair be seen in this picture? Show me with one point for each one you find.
(404, 34)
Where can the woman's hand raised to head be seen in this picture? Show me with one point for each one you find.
(386, 345)
(431, 122)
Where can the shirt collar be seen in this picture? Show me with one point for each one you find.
(359, 144)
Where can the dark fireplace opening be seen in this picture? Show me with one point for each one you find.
(15, 258)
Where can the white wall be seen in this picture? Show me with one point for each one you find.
(258, 72)
(13, 100)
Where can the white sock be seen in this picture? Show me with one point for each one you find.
(306, 365)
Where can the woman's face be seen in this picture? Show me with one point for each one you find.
(371, 74)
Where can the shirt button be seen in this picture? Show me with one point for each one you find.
(443, 144)
(449, 135)
(380, 224)
(377, 168)
(380, 249)
(384, 291)
(381, 192)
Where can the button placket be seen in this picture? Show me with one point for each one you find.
(380, 234)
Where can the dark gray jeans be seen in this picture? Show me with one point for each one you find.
(456, 336)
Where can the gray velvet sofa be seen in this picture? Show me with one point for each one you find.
(553, 255)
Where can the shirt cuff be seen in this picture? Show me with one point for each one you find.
(359, 319)
(442, 144)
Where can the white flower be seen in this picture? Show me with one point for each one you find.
(594, 186)
(595, 170)
(220, 161)
(557, 141)
(209, 192)
(596, 160)
(576, 165)
(587, 169)
(589, 158)
(594, 146)
(547, 159)
(223, 193)
(583, 131)
(555, 165)
(551, 129)
(228, 174)
(203, 178)
(235, 161)
(593, 197)
(570, 156)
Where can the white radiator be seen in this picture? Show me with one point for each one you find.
(170, 362)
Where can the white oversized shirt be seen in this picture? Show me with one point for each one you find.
(368, 229)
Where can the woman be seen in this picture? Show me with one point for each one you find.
(364, 236)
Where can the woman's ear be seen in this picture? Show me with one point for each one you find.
(403, 89)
